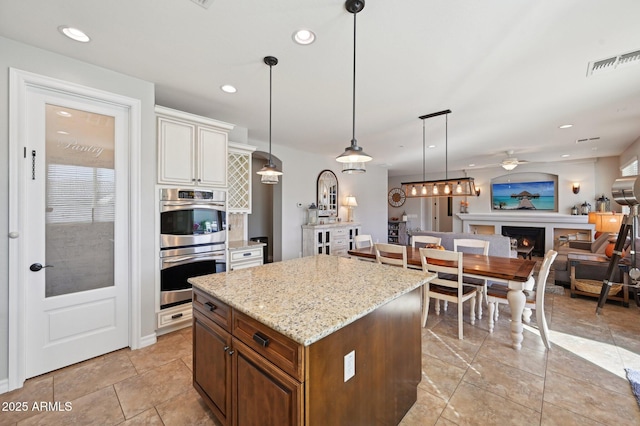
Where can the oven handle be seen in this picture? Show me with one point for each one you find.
(185, 259)
(189, 203)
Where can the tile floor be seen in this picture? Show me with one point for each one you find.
(477, 381)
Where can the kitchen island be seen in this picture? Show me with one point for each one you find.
(311, 341)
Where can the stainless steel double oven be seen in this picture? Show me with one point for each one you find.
(193, 229)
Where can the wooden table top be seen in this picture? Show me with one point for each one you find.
(502, 268)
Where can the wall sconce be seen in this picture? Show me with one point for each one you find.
(576, 187)
(477, 191)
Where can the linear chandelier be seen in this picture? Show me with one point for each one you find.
(463, 186)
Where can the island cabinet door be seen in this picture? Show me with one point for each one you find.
(263, 394)
(212, 365)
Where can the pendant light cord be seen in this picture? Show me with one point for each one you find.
(423, 152)
(270, 95)
(446, 146)
(353, 124)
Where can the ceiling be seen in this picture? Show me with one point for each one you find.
(511, 71)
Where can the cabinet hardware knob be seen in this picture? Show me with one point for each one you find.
(226, 348)
(231, 352)
(176, 316)
(210, 306)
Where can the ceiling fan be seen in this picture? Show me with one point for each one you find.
(510, 162)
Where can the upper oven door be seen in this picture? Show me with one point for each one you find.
(187, 223)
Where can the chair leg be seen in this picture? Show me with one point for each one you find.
(542, 327)
(437, 303)
(445, 305)
(526, 315)
(479, 297)
(460, 309)
(492, 307)
(425, 305)
(473, 309)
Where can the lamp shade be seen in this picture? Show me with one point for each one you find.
(350, 201)
(608, 222)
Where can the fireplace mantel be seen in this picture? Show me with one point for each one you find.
(554, 223)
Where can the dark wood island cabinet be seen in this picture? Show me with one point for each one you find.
(322, 358)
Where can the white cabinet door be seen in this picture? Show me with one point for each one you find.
(176, 153)
(212, 157)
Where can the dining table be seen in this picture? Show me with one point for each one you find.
(516, 273)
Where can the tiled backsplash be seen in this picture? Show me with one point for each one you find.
(235, 224)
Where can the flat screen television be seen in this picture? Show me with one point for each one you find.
(539, 195)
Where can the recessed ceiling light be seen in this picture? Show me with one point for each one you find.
(64, 114)
(304, 37)
(565, 155)
(228, 88)
(62, 132)
(74, 34)
(471, 165)
(565, 126)
(431, 146)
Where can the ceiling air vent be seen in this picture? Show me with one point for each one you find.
(587, 140)
(203, 3)
(613, 63)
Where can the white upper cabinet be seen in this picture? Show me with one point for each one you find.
(192, 150)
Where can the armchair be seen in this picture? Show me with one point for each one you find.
(561, 266)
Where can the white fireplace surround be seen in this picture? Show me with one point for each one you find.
(555, 224)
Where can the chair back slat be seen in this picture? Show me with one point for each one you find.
(418, 241)
(471, 243)
(383, 250)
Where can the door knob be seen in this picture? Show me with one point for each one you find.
(35, 267)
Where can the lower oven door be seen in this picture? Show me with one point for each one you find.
(175, 270)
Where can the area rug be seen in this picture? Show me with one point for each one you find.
(634, 380)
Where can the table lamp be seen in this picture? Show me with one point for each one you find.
(607, 222)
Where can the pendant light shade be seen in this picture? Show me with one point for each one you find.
(442, 187)
(270, 172)
(353, 157)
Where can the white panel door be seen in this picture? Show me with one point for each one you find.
(75, 206)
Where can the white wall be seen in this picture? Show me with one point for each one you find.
(27, 58)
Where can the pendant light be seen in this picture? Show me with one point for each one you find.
(464, 186)
(353, 157)
(270, 172)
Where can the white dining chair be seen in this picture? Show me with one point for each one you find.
(362, 241)
(471, 245)
(422, 240)
(382, 254)
(449, 290)
(497, 294)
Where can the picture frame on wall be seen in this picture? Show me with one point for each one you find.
(537, 195)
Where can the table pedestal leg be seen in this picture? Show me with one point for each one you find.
(517, 301)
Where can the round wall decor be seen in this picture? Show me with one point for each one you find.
(396, 197)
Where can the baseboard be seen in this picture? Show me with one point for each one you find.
(147, 340)
(4, 386)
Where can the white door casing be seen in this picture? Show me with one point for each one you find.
(46, 333)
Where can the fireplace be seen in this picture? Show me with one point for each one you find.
(527, 236)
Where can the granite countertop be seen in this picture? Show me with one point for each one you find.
(309, 298)
(244, 244)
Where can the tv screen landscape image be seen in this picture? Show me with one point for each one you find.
(524, 196)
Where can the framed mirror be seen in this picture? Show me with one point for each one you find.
(327, 194)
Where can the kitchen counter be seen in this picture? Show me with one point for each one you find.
(309, 298)
(244, 244)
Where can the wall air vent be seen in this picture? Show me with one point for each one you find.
(613, 63)
(203, 3)
(588, 140)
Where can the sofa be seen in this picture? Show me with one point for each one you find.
(499, 245)
(561, 267)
